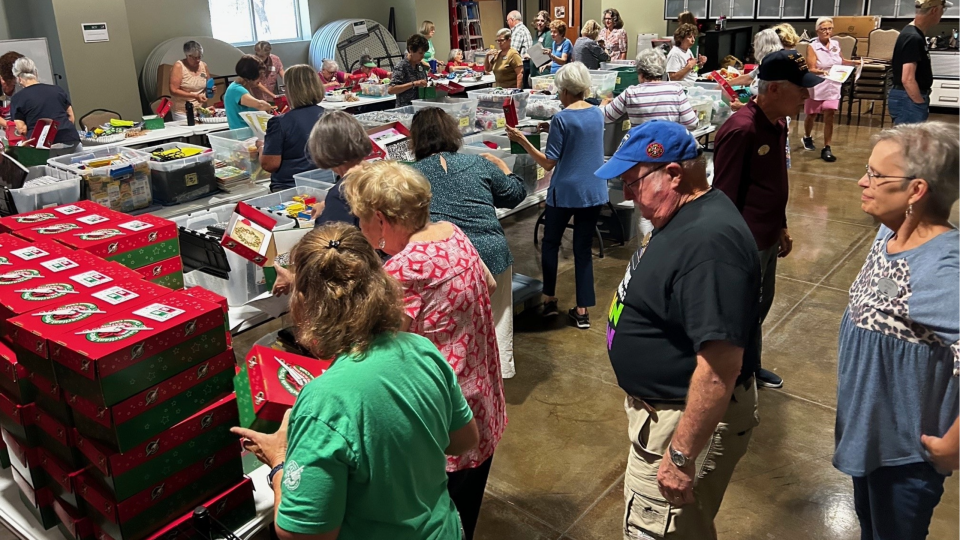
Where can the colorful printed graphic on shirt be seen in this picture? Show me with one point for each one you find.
(616, 305)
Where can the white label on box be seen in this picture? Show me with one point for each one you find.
(136, 225)
(93, 219)
(69, 210)
(29, 253)
(158, 312)
(59, 264)
(91, 278)
(115, 295)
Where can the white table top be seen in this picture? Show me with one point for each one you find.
(364, 100)
(531, 200)
(168, 133)
(487, 79)
(217, 199)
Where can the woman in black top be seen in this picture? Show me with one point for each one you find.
(37, 101)
(287, 134)
(410, 73)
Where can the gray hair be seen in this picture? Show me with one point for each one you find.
(651, 64)
(574, 78)
(764, 86)
(453, 55)
(328, 64)
(504, 33)
(337, 139)
(930, 151)
(24, 68)
(766, 42)
(822, 20)
(192, 48)
(515, 15)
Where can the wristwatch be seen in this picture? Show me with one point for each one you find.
(677, 458)
(273, 472)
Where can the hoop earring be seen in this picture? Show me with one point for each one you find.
(381, 243)
(909, 210)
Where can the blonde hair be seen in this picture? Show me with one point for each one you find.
(591, 29)
(397, 191)
(426, 27)
(303, 86)
(788, 36)
(342, 298)
(263, 46)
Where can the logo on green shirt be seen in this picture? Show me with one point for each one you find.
(291, 475)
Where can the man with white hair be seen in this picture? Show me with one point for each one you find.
(681, 337)
(520, 41)
(909, 99)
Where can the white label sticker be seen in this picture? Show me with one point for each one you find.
(29, 253)
(136, 225)
(115, 295)
(59, 264)
(91, 278)
(158, 312)
(69, 210)
(93, 219)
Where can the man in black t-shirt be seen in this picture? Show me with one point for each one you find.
(909, 99)
(681, 336)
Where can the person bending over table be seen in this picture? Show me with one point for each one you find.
(39, 100)
(8, 81)
(237, 98)
(287, 134)
(362, 454)
(410, 73)
(330, 74)
(188, 80)
(504, 62)
(267, 87)
(455, 62)
(586, 49)
(368, 69)
(653, 98)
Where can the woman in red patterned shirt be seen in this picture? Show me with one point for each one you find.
(446, 293)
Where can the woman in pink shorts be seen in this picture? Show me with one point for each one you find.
(822, 54)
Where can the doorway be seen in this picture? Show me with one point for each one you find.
(569, 12)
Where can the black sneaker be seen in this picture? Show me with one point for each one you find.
(768, 379)
(550, 309)
(827, 155)
(581, 321)
(808, 143)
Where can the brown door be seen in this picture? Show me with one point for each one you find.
(569, 12)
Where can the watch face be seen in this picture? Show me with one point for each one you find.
(678, 459)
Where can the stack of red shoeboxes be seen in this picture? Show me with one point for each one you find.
(147, 244)
(115, 392)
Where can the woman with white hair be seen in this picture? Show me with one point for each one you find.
(575, 150)
(586, 49)
(899, 347)
(39, 100)
(653, 98)
(504, 62)
(330, 75)
(822, 54)
(764, 43)
(188, 80)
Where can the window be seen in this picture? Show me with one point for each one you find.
(245, 22)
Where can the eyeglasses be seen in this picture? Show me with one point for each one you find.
(498, 40)
(608, 18)
(824, 29)
(872, 177)
(638, 180)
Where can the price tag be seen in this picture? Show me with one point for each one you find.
(626, 125)
(465, 121)
(540, 172)
(618, 81)
(501, 122)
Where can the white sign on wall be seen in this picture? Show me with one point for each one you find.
(94, 32)
(359, 27)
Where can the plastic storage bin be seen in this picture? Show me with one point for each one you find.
(603, 83)
(543, 83)
(463, 110)
(184, 179)
(238, 148)
(123, 186)
(493, 100)
(273, 202)
(318, 178)
(704, 109)
(376, 119)
(65, 190)
(535, 178)
(626, 74)
(543, 107)
(374, 89)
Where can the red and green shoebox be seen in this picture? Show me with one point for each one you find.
(134, 242)
(205, 433)
(39, 502)
(9, 242)
(17, 419)
(30, 254)
(67, 212)
(127, 424)
(168, 272)
(142, 514)
(233, 508)
(57, 438)
(31, 333)
(118, 357)
(50, 399)
(71, 522)
(62, 478)
(269, 382)
(210, 296)
(25, 460)
(15, 378)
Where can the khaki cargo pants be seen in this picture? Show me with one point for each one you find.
(648, 516)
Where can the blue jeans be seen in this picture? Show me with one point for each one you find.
(904, 110)
(896, 503)
(584, 227)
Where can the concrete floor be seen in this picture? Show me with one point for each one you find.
(558, 473)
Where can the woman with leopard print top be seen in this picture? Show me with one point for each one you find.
(897, 388)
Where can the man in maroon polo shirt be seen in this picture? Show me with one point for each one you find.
(750, 166)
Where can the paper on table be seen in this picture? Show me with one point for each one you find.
(273, 306)
(856, 76)
(537, 58)
(257, 120)
(839, 73)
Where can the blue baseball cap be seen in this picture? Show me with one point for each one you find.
(659, 141)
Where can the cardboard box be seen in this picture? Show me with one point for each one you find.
(203, 434)
(38, 502)
(25, 460)
(127, 424)
(232, 509)
(62, 478)
(10, 242)
(167, 273)
(66, 212)
(249, 233)
(269, 382)
(30, 254)
(57, 438)
(72, 523)
(134, 242)
(18, 420)
(14, 377)
(142, 514)
(118, 357)
(50, 398)
(858, 27)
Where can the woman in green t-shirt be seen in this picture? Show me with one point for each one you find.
(363, 452)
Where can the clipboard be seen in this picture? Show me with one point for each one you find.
(537, 58)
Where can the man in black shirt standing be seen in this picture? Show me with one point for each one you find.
(681, 337)
(909, 99)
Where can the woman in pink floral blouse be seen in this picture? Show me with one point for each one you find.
(613, 37)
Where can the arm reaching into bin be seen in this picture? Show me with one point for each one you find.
(516, 136)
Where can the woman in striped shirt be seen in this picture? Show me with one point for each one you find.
(653, 98)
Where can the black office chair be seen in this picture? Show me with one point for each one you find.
(97, 117)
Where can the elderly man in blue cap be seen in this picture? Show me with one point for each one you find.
(681, 337)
